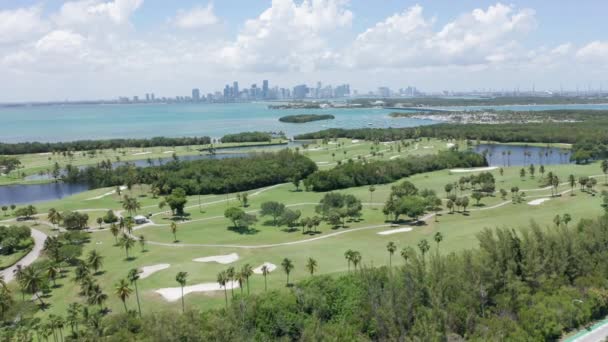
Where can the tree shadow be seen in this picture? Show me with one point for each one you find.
(290, 230)
(98, 273)
(244, 230)
(480, 205)
(130, 258)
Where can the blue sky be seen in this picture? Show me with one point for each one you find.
(108, 48)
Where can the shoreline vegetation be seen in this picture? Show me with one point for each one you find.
(303, 118)
(494, 117)
(431, 102)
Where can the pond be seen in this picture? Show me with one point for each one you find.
(523, 155)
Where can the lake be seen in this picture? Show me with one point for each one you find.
(522, 155)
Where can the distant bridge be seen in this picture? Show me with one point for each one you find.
(423, 109)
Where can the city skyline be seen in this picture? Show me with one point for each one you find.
(100, 49)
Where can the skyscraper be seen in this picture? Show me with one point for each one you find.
(265, 89)
(235, 89)
(196, 95)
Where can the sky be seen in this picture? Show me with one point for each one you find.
(101, 49)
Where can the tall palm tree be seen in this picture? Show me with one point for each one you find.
(115, 230)
(142, 242)
(133, 277)
(6, 301)
(222, 279)
(247, 272)
(97, 297)
(52, 271)
(230, 274)
(127, 243)
(73, 317)
(572, 181)
(265, 272)
(240, 279)
(174, 231)
(181, 278)
(311, 266)
(287, 265)
(406, 253)
(32, 281)
(348, 255)
(54, 217)
(391, 248)
(356, 259)
(438, 237)
(130, 204)
(424, 247)
(123, 291)
(95, 260)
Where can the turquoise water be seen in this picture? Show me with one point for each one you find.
(73, 122)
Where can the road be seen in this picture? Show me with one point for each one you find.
(39, 238)
(597, 332)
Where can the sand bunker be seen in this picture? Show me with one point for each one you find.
(450, 145)
(168, 151)
(395, 231)
(222, 259)
(171, 294)
(394, 157)
(147, 271)
(539, 201)
(355, 141)
(271, 267)
(140, 153)
(45, 154)
(322, 163)
(475, 169)
(106, 194)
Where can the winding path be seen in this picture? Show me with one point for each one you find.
(39, 237)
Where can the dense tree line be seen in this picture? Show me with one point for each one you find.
(301, 118)
(247, 137)
(353, 173)
(14, 238)
(532, 285)
(87, 145)
(490, 101)
(210, 176)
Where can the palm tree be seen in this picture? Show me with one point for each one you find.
(127, 243)
(438, 237)
(133, 276)
(73, 317)
(391, 248)
(142, 243)
(311, 266)
(130, 204)
(222, 279)
(287, 265)
(230, 274)
(97, 297)
(123, 291)
(240, 278)
(247, 271)
(95, 260)
(265, 272)
(572, 181)
(356, 259)
(424, 247)
(181, 278)
(32, 281)
(54, 217)
(371, 190)
(348, 255)
(115, 230)
(174, 231)
(604, 166)
(52, 271)
(566, 219)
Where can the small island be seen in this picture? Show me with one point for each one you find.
(302, 118)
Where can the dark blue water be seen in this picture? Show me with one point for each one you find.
(522, 155)
(32, 193)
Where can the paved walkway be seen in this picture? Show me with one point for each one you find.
(39, 238)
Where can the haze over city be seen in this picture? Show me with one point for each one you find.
(93, 49)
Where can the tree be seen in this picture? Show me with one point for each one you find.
(287, 265)
(464, 201)
(311, 266)
(95, 260)
(127, 243)
(230, 272)
(123, 291)
(4, 210)
(239, 218)
(177, 201)
(130, 204)
(450, 205)
(356, 256)
(348, 255)
(115, 231)
(448, 189)
(181, 278)
(477, 196)
(174, 231)
(32, 281)
(572, 182)
(522, 173)
(391, 248)
(290, 217)
(566, 219)
(438, 237)
(99, 221)
(133, 277)
(142, 243)
(54, 217)
(247, 271)
(222, 279)
(273, 209)
(371, 190)
(52, 272)
(265, 272)
(557, 220)
(424, 247)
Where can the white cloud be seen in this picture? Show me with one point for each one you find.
(196, 17)
(408, 39)
(594, 52)
(288, 36)
(21, 24)
(60, 41)
(87, 14)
